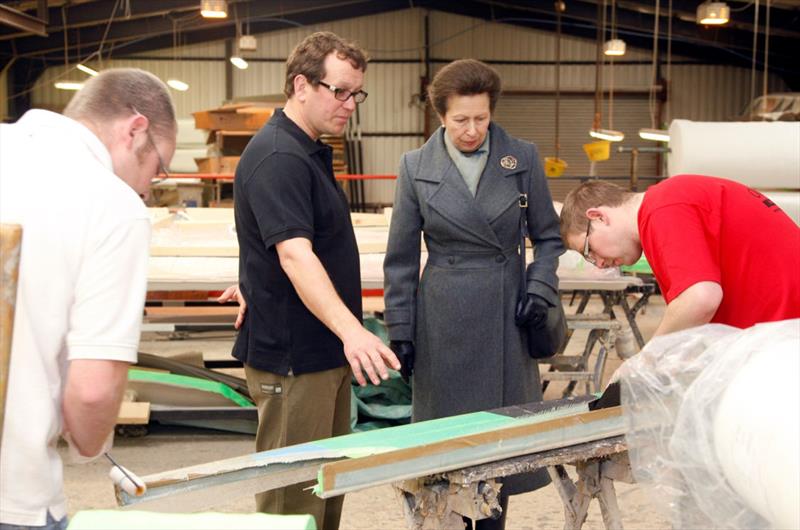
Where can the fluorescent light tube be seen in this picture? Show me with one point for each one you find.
(239, 62)
(656, 135)
(607, 134)
(86, 70)
(177, 84)
(68, 85)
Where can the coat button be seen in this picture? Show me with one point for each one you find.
(500, 258)
(451, 260)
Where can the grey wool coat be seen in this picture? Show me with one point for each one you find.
(470, 355)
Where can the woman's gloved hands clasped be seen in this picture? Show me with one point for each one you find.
(404, 350)
(532, 311)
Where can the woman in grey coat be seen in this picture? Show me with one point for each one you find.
(457, 322)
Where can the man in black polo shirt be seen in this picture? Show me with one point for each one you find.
(299, 268)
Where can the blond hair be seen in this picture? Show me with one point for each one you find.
(120, 92)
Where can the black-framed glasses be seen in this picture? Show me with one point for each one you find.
(586, 250)
(343, 95)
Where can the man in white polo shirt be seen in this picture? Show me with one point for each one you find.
(75, 183)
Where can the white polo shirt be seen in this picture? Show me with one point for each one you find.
(82, 283)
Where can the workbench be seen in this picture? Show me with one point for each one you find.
(194, 257)
(613, 292)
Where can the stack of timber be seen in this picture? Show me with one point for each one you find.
(339, 159)
(230, 129)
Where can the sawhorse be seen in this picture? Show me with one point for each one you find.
(575, 368)
(613, 293)
(438, 502)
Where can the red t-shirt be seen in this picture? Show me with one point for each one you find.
(695, 228)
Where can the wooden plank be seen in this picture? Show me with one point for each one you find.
(289, 465)
(369, 219)
(373, 304)
(10, 246)
(191, 314)
(159, 215)
(134, 413)
(198, 232)
(205, 215)
(214, 490)
(242, 117)
(523, 464)
(337, 478)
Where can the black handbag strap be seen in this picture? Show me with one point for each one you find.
(523, 234)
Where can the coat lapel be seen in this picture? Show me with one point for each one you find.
(498, 189)
(451, 198)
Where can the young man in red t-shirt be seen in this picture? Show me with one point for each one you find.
(720, 251)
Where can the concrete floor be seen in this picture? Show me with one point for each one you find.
(87, 486)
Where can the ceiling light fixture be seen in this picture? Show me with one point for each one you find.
(68, 85)
(214, 8)
(85, 69)
(597, 130)
(713, 13)
(656, 135)
(177, 84)
(607, 134)
(247, 43)
(239, 62)
(615, 47)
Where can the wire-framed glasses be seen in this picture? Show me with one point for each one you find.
(162, 167)
(586, 250)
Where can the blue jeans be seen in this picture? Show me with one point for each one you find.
(51, 524)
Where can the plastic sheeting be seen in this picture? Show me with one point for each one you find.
(384, 405)
(712, 415)
(762, 155)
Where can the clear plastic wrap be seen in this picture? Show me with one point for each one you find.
(713, 426)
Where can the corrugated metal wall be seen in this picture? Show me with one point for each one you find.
(206, 80)
(698, 92)
(714, 93)
(457, 37)
(533, 118)
(395, 37)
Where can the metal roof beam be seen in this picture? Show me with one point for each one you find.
(18, 19)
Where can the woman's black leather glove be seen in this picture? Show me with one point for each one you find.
(404, 350)
(532, 311)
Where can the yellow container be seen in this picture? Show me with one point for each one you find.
(554, 167)
(597, 151)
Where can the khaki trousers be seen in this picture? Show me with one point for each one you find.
(294, 410)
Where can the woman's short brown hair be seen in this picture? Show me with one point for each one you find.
(591, 194)
(465, 77)
(308, 58)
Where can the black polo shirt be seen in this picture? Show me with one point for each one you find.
(284, 188)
